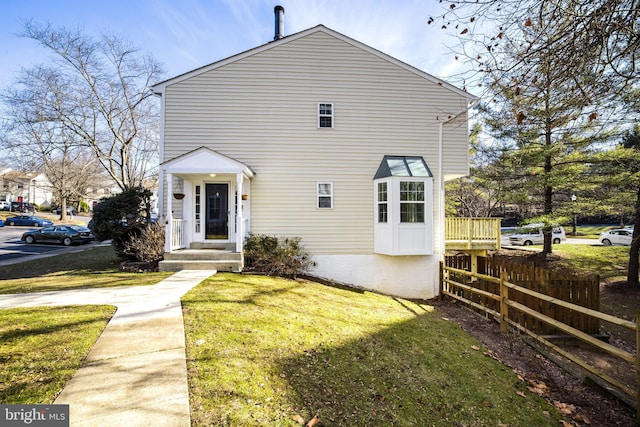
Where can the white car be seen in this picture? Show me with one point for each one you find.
(5, 206)
(619, 236)
(505, 233)
(532, 235)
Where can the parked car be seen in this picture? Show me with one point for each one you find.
(620, 236)
(505, 233)
(4, 206)
(63, 234)
(532, 235)
(1, 223)
(22, 207)
(70, 210)
(29, 220)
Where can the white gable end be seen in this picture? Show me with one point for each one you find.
(204, 160)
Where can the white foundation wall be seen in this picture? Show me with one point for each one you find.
(415, 277)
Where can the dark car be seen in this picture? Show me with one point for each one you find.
(29, 220)
(22, 207)
(1, 223)
(63, 234)
(70, 210)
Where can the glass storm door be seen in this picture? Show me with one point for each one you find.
(217, 211)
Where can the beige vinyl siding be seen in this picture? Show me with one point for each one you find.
(262, 110)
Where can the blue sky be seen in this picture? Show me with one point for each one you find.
(187, 34)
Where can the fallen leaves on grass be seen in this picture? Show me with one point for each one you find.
(538, 387)
(564, 408)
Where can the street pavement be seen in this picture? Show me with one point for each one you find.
(13, 250)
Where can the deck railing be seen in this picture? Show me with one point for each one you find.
(471, 233)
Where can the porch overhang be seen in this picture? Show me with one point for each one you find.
(203, 160)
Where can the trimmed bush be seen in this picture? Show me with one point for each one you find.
(285, 257)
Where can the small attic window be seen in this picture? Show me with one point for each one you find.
(413, 166)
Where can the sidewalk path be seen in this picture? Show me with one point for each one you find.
(136, 373)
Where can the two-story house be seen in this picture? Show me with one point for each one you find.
(32, 188)
(318, 136)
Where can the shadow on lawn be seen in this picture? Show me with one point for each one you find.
(263, 350)
(19, 330)
(397, 377)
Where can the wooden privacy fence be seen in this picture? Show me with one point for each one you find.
(526, 307)
(581, 291)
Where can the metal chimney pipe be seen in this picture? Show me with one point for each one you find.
(279, 30)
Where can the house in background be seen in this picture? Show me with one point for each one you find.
(318, 136)
(32, 188)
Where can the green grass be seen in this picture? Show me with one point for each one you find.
(609, 262)
(94, 268)
(42, 347)
(606, 261)
(262, 351)
(589, 231)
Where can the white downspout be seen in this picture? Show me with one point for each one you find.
(441, 201)
(441, 217)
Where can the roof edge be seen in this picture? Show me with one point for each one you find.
(158, 88)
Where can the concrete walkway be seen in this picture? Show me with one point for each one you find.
(136, 373)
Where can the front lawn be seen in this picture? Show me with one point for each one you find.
(42, 347)
(267, 351)
(91, 268)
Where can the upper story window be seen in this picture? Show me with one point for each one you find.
(325, 195)
(325, 115)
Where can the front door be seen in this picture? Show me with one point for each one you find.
(217, 212)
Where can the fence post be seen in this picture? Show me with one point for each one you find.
(441, 279)
(504, 308)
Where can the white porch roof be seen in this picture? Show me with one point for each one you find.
(204, 160)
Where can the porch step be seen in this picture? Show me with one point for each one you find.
(203, 254)
(220, 246)
(201, 259)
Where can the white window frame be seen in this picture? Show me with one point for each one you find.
(382, 217)
(324, 115)
(321, 195)
(415, 199)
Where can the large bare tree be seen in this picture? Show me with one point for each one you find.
(607, 32)
(104, 101)
(35, 130)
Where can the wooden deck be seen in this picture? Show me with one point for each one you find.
(472, 234)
